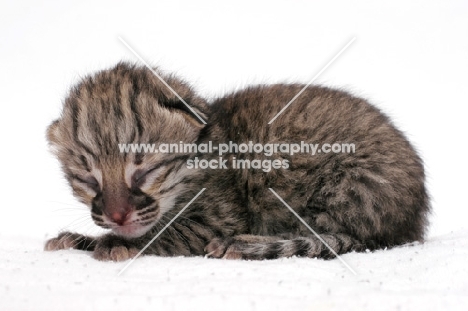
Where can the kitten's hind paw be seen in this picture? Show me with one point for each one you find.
(66, 240)
(217, 247)
(238, 247)
(113, 248)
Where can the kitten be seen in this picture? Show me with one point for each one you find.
(369, 199)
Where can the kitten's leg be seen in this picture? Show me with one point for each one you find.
(180, 239)
(177, 240)
(66, 240)
(261, 247)
(107, 247)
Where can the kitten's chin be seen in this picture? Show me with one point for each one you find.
(131, 231)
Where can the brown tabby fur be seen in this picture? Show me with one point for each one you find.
(372, 198)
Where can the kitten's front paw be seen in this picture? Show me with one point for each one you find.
(114, 248)
(226, 249)
(66, 240)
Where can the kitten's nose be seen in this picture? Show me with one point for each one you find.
(115, 199)
(119, 217)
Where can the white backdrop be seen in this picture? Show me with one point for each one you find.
(409, 59)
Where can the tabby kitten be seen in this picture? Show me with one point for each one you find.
(372, 198)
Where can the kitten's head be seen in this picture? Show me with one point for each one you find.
(127, 192)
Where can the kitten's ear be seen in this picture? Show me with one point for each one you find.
(52, 134)
(193, 115)
(193, 120)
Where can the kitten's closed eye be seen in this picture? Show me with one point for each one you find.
(88, 181)
(141, 176)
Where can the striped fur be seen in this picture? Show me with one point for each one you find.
(373, 198)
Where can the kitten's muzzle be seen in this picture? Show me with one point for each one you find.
(119, 217)
(116, 205)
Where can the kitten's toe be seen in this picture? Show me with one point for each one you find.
(52, 245)
(64, 240)
(217, 248)
(118, 253)
(233, 252)
(114, 249)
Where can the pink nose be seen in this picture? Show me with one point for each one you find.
(119, 217)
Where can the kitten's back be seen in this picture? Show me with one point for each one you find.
(376, 194)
